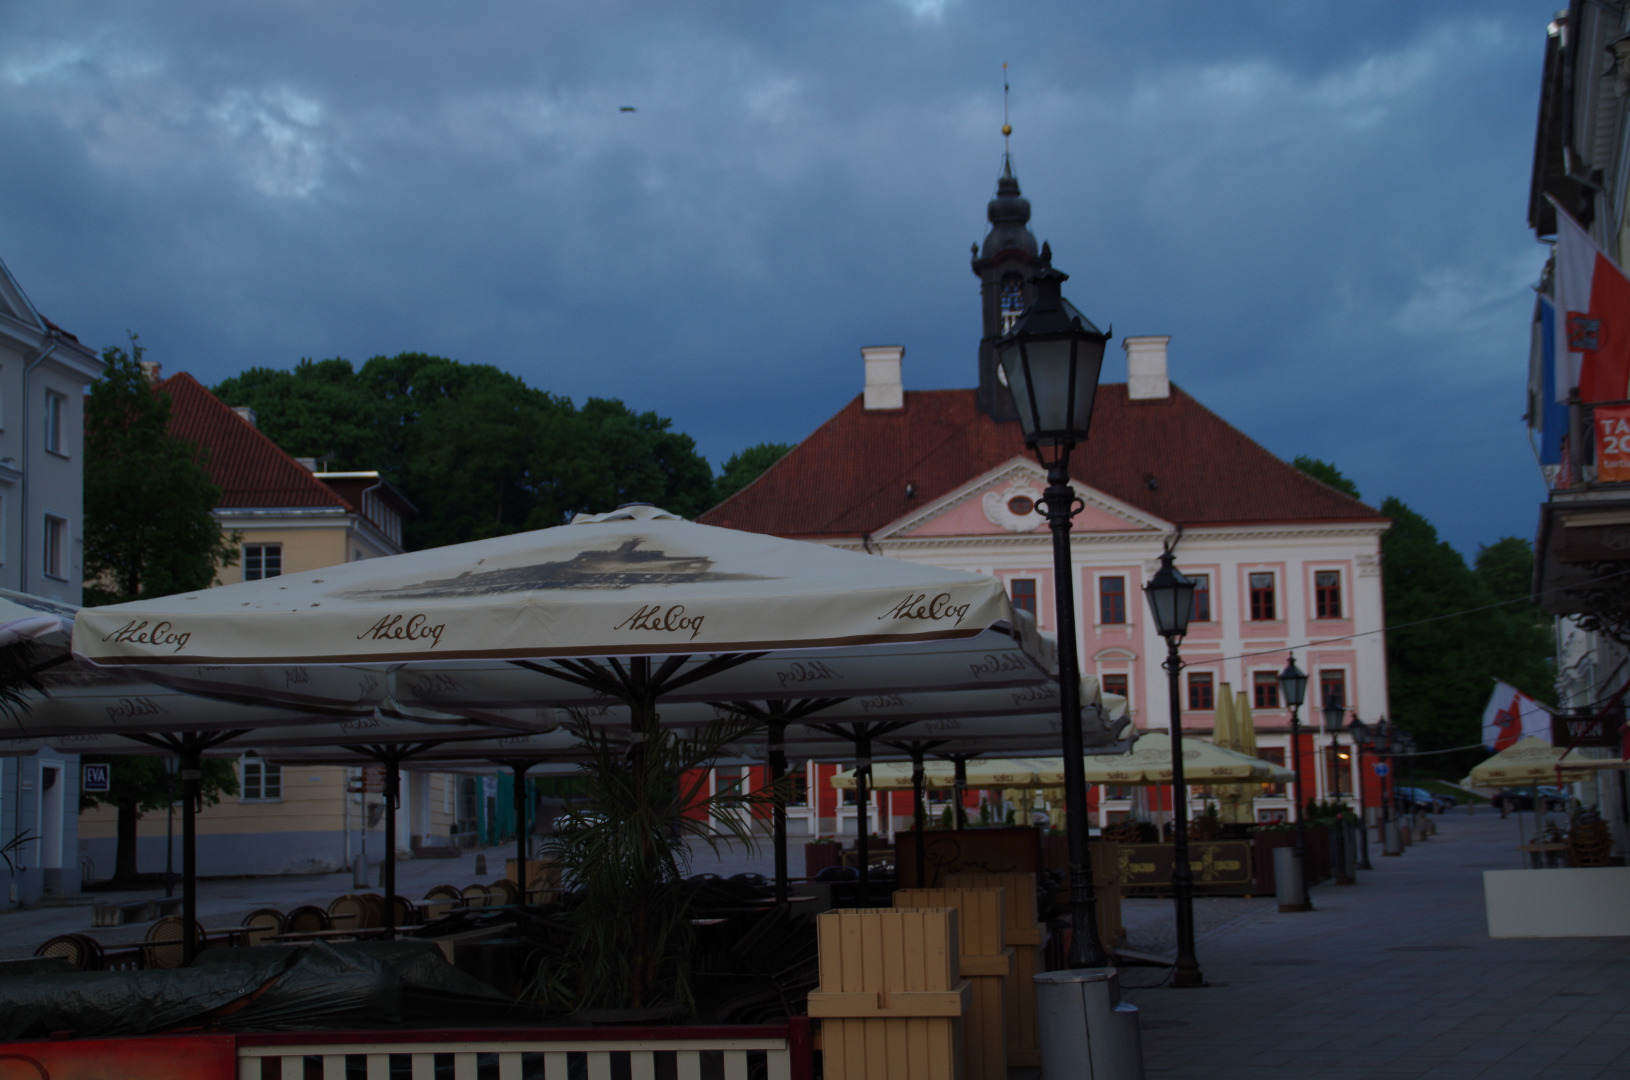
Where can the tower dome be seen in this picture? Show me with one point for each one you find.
(1004, 265)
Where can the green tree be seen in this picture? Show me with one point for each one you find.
(1521, 646)
(478, 451)
(1326, 473)
(140, 785)
(149, 530)
(745, 466)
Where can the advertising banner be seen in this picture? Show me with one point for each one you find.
(1612, 424)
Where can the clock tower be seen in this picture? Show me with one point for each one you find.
(1004, 266)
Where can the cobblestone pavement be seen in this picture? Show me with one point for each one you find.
(1395, 977)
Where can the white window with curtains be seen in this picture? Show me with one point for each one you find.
(54, 557)
(259, 781)
(55, 407)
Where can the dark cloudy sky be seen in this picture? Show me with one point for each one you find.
(1322, 203)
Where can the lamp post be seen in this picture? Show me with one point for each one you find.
(1379, 738)
(1050, 361)
(1293, 688)
(1171, 600)
(1334, 711)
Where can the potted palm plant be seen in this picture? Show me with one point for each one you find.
(623, 937)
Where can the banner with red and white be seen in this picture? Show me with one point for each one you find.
(1592, 324)
(1512, 715)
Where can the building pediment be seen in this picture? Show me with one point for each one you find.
(1003, 502)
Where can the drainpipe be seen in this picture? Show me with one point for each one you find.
(53, 338)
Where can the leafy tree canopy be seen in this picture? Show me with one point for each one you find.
(746, 466)
(1326, 473)
(478, 451)
(148, 497)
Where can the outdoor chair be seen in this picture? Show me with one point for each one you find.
(307, 918)
(166, 947)
(348, 912)
(81, 950)
(749, 878)
(503, 893)
(476, 895)
(373, 913)
(838, 873)
(441, 900)
(262, 924)
(124, 960)
(405, 912)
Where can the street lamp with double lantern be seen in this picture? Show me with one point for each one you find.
(1293, 688)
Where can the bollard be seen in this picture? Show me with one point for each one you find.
(1287, 880)
(359, 872)
(1086, 1029)
(1392, 842)
(481, 864)
(1406, 836)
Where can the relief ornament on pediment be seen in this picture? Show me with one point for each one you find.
(1014, 508)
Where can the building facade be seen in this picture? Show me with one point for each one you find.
(43, 374)
(288, 518)
(1286, 563)
(1581, 169)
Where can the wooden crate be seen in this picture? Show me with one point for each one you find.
(986, 961)
(891, 1000)
(1024, 933)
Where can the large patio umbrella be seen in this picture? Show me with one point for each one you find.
(632, 607)
(1534, 761)
(1151, 763)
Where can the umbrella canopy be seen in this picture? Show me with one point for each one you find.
(1203, 763)
(1235, 731)
(1534, 761)
(982, 773)
(637, 582)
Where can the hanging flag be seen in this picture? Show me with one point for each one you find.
(1592, 318)
(1546, 416)
(1512, 715)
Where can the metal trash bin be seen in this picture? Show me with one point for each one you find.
(1086, 1030)
(1287, 880)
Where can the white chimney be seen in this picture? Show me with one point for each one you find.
(309, 463)
(1146, 368)
(247, 413)
(883, 387)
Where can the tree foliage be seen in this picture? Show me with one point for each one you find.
(1326, 473)
(746, 466)
(1442, 671)
(148, 527)
(478, 451)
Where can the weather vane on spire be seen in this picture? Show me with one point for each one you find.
(1007, 128)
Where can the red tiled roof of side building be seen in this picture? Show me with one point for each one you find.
(1171, 457)
(250, 469)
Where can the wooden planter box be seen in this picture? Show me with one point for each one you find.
(986, 962)
(891, 999)
(1024, 934)
(818, 857)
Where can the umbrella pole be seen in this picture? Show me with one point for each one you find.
(778, 804)
(393, 796)
(959, 813)
(519, 769)
(919, 813)
(191, 788)
(863, 773)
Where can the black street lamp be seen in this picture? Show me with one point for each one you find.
(1293, 688)
(1360, 732)
(1171, 600)
(1334, 712)
(1050, 361)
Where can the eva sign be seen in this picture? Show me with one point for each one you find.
(96, 776)
(1613, 442)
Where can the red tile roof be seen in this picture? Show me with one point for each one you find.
(1171, 457)
(251, 470)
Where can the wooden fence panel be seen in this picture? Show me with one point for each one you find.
(1024, 933)
(986, 962)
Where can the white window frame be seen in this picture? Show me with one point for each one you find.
(54, 557)
(56, 407)
(278, 547)
(266, 770)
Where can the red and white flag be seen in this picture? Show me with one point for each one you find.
(1592, 324)
(1512, 715)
